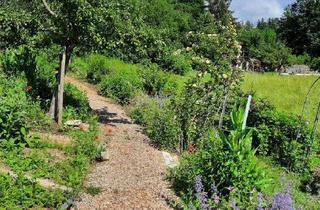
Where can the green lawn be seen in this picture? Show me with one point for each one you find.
(286, 93)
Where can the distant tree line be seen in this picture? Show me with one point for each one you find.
(292, 39)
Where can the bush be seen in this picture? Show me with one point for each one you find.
(154, 80)
(159, 121)
(143, 108)
(97, 67)
(315, 64)
(164, 129)
(226, 162)
(38, 70)
(15, 61)
(285, 138)
(176, 63)
(13, 110)
(77, 99)
(79, 68)
(299, 59)
(121, 85)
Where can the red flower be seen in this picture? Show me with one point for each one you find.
(97, 137)
(28, 88)
(190, 148)
(109, 130)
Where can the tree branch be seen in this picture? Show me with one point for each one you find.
(48, 8)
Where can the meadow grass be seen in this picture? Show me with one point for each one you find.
(286, 93)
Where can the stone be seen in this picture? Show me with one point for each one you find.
(84, 127)
(74, 123)
(297, 69)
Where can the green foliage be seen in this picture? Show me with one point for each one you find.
(13, 110)
(15, 61)
(122, 84)
(315, 63)
(18, 27)
(224, 161)
(77, 99)
(176, 63)
(264, 45)
(285, 138)
(164, 129)
(97, 68)
(21, 193)
(300, 27)
(37, 68)
(299, 59)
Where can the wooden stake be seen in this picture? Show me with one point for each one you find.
(246, 113)
(61, 87)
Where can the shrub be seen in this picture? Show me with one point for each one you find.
(79, 68)
(121, 85)
(38, 70)
(77, 99)
(299, 59)
(176, 62)
(285, 138)
(226, 161)
(154, 80)
(13, 110)
(97, 68)
(164, 129)
(315, 63)
(143, 108)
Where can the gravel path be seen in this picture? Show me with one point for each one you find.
(133, 178)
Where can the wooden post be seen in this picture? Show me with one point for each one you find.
(61, 87)
(246, 113)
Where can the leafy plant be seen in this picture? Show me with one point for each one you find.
(121, 85)
(285, 138)
(225, 161)
(75, 98)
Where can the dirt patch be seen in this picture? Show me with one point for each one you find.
(56, 139)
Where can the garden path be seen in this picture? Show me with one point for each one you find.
(134, 177)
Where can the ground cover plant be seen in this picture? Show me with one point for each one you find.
(31, 156)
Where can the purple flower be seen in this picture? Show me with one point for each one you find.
(198, 184)
(259, 207)
(282, 201)
(233, 205)
(201, 195)
(216, 199)
(254, 190)
(232, 189)
(214, 189)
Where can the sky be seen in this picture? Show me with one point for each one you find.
(253, 10)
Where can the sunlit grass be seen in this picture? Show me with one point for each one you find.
(286, 93)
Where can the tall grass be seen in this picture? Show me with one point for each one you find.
(286, 93)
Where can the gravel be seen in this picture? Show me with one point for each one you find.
(134, 177)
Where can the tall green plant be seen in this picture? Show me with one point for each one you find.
(226, 161)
